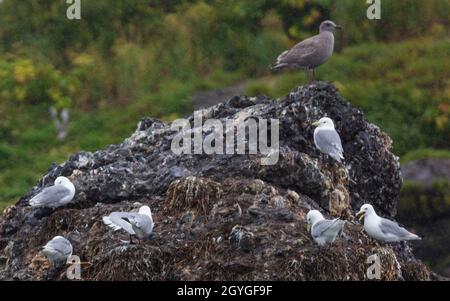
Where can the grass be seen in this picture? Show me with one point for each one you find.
(424, 153)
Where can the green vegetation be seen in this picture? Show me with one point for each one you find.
(423, 153)
(420, 204)
(129, 58)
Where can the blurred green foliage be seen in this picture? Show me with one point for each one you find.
(129, 58)
(423, 153)
(23, 81)
(421, 204)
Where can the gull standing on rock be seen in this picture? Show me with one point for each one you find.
(139, 224)
(381, 228)
(58, 250)
(55, 196)
(309, 53)
(322, 230)
(327, 140)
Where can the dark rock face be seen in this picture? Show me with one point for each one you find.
(424, 206)
(221, 216)
(427, 171)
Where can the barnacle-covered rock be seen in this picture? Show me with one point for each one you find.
(221, 217)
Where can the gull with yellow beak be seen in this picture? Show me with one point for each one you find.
(322, 230)
(327, 140)
(381, 228)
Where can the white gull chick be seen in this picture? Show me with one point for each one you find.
(54, 196)
(58, 250)
(381, 228)
(322, 230)
(139, 224)
(327, 140)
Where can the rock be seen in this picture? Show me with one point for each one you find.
(221, 217)
(242, 239)
(424, 207)
(427, 171)
(191, 193)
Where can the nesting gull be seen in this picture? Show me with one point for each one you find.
(322, 230)
(309, 53)
(383, 229)
(139, 224)
(54, 196)
(58, 250)
(327, 140)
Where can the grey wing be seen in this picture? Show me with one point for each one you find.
(62, 246)
(50, 196)
(140, 221)
(118, 222)
(300, 52)
(322, 226)
(328, 141)
(391, 227)
(329, 228)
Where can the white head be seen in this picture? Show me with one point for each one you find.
(62, 181)
(329, 26)
(313, 217)
(365, 210)
(146, 211)
(324, 122)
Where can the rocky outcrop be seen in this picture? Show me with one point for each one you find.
(221, 217)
